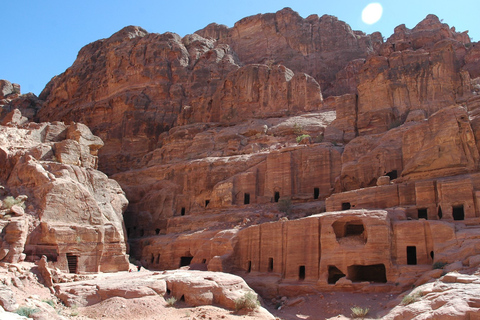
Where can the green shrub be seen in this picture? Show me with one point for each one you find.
(359, 312)
(297, 128)
(408, 299)
(249, 301)
(74, 312)
(285, 205)
(171, 301)
(26, 311)
(50, 302)
(411, 298)
(10, 201)
(303, 136)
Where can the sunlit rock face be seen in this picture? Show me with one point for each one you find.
(221, 139)
(69, 212)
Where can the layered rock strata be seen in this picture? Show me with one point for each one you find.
(209, 137)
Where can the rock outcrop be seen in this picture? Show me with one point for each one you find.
(168, 73)
(318, 46)
(451, 297)
(73, 213)
(194, 287)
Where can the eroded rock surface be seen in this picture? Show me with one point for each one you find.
(222, 138)
(195, 287)
(72, 212)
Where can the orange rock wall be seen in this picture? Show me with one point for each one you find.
(167, 191)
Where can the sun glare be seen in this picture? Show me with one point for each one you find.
(372, 13)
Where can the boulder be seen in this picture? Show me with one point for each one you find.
(7, 299)
(6, 88)
(14, 117)
(196, 287)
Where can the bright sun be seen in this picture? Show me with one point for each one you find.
(372, 13)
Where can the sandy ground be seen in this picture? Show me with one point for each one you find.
(335, 305)
(316, 307)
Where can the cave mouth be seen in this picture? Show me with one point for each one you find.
(346, 206)
(276, 196)
(270, 264)
(72, 261)
(392, 174)
(411, 255)
(422, 213)
(334, 274)
(301, 273)
(371, 273)
(185, 261)
(246, 198)
(353, 230)
(458, 212)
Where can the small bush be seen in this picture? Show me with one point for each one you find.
(411, 298)
(285, 205)
(297, 128)
(408, 299)
(74, 312)
(171, 301)
(50, 302)
(303, 136)
(439, 265)
(26, 311)
(248, 302)
(10, 201)
(359, 312)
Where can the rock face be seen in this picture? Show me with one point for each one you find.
(222, 138)
(73, 212)
(169, 72)
(320, 47)
(419, 69)
(443, 145)
(348, 250)
(199, 79)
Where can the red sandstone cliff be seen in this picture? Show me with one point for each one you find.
(64, 208)
(209, 133)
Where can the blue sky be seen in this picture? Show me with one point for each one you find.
(41, 39)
